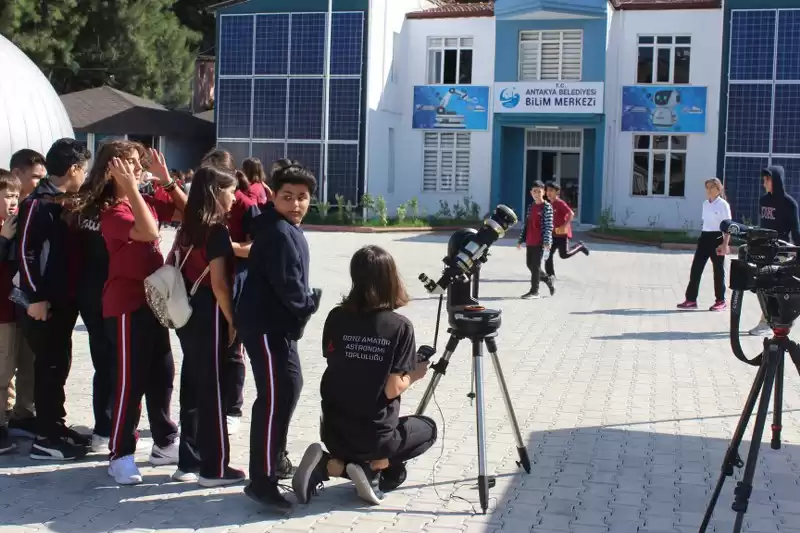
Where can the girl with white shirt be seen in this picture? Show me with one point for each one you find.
(712, 244)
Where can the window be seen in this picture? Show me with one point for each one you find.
(450, 60)
(663, 59)
(446, 162)
(659, 165)
(550, 55)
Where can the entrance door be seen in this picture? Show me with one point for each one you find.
(555, 156)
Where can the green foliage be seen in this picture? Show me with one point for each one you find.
(367, 204)
(340, 208)
(348, 210)
(444, 210)
(413, 206)
(323, 208)
(606, 220)
(137, 46)
(382, 211)
(402, 211)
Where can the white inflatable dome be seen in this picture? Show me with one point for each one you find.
(31, 113)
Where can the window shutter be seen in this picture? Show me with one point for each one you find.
(551, 55)
(430, 162)
(571, 55)
(462, 162)
(529, 56)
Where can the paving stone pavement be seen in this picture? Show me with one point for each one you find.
(627, 407)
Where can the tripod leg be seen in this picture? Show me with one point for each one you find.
(483, 480)
(732, 458)
(439, 370)
(524, 460)
(777, 409)
(745, 487)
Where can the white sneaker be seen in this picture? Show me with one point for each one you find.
(124, 471)
(100, 444)
(761, 330)
(164, 456)
(233, 424)
(184, 477)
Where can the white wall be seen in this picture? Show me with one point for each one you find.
(705, 28)
(394, 110)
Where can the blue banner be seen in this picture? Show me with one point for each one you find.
(664, 108)
(451, 107)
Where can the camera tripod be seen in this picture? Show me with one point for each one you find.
(770, 372)
(480, 326)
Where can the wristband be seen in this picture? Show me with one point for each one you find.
(169, 186)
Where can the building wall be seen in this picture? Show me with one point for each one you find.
(705, 29)
(396, 112)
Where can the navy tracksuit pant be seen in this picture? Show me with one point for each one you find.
(279, 380)
(204, 443)
(90, 305)
(144, 367)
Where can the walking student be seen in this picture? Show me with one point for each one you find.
(712, 244)
(272, 312)
(209, 333)
(778, 211)
(28, 167)
(537, 234)
(10, 334)
(49, 264)
(257, 190)
(144, 364)
(562, 229)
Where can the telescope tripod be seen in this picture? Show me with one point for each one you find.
(770, 373)
(440, 369)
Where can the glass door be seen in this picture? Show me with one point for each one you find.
(569, 178)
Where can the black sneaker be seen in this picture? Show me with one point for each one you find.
(285, 468)
(311, 473)
(267, 494)
(232, 477)
(392, 477)
(530, 295)
(6, 445)
(550, 285)
(56, 449)
(22, 428)
(367, 482)
(584, 249)
(73, 437)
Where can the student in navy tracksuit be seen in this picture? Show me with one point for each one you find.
(273, 309)
(48, 273)
(205, 339)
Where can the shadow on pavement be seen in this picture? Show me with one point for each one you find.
(665, 336)
(627, 312)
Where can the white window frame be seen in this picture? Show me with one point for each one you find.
(537, 37)
(656, 46)
(440, 44)
(438, 180)
(651, 152)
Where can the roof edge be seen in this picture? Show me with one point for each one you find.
(644, 5)
(422, 15)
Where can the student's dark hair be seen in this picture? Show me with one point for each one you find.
(289, 171)
(9, 182)
(242, 183)
(203, 209)
(99, 191)
(221, 159)
(537, 185)
(552, 185)
(376, 283)
(254, 170)
(26, 158)
(64, 154)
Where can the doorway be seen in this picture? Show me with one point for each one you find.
(555, 156)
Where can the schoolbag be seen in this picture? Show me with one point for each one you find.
(166, 295)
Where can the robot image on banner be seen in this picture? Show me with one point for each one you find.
(446, 119)
(664, 115)
(665, 109)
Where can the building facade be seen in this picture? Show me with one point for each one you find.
(549, 121)
(662, 107)
(760, 99)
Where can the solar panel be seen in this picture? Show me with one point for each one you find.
(305, 108)
(272, 45)
(239, 150)
(269, 109)
(234, 109)
(308, 44)
(749, 109)
(347, 32)
(791, 176)
(309, 154)
(743, 186)
(343, 171)
(786, 132)
(236, 46)
(345, 109)
(269, 152)
(752, 45)
(788, 67)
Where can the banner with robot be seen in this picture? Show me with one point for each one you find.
(451, 107)
(664, 108)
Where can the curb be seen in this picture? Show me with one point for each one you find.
(673, 246)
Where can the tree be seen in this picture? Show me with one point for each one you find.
(137, 46)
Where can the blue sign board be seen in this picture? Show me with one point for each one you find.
(664, 108)
(451, 107)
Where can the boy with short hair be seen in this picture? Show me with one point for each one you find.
(9, 330)
(537, 234)
(48, 276)
(275, 304)
(562, 229)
